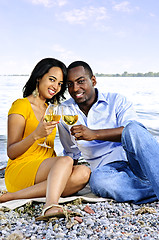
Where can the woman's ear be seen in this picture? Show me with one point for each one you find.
(94, 81)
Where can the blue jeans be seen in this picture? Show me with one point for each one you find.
(137, 180)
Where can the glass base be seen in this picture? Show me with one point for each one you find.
(75, 145)
(44, 145)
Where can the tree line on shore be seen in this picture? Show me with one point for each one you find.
(126, 74)
(14, 75)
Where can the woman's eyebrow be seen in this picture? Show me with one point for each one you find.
(53, 77)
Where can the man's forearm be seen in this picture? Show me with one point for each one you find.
(81, 132)
(112, 134)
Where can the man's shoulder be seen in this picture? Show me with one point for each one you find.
(111, 98)
(109, 95)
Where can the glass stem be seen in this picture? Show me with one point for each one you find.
(45, 140)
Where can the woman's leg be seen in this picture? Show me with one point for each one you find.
(78, 180)
(35, 191)
(57, 166)
(57, 171)
(62, 178)
(58, 182)
(52, 172)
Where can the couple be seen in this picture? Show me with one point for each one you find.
(123, 155)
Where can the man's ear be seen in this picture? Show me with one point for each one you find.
(94, 81)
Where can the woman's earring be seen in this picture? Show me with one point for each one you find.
(55, 101)
(35, 92)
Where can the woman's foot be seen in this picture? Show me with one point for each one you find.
(4, 196)
(57, 211)
(53, 210)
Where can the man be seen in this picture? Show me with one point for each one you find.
(123, 155)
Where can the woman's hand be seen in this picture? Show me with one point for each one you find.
(44, 129)
(16, 145)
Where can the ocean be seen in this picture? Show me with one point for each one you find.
(143, 92)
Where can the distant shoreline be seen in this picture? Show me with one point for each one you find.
(125, 74)
(12, 75)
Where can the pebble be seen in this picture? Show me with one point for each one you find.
(104, 220)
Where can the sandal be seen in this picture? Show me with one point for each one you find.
(44, 217)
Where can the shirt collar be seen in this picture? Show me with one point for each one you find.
(101, 97)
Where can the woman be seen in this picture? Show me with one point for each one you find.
(32, 170)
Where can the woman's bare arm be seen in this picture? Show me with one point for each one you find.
(16, 145)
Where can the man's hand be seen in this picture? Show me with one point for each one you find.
(81, 132)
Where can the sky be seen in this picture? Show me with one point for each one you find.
(112, 36)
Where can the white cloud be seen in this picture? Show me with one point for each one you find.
(122, 7)
(63, 54)
(49, 3)
(80, 16)
(61, 2)
(102, 27)
(152, 15)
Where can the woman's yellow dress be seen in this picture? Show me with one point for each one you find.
(21, 172)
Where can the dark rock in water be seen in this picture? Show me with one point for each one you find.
(2, 169)
(2, 172)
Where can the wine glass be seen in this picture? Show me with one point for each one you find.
(69, 116)
(51, 114)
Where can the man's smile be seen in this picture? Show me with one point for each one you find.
(78, 95)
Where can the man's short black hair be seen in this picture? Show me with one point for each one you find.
(83, 64)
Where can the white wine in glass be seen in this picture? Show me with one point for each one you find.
(51, 114)
(69, 116)
(69, 119)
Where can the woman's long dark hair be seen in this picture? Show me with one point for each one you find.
(39, 71)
